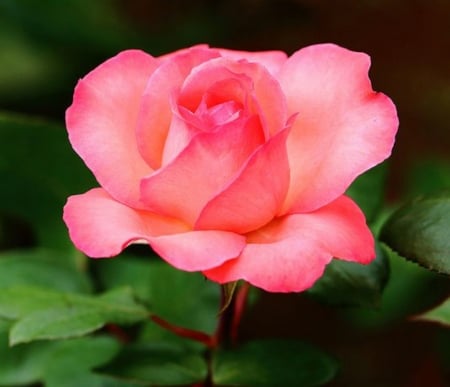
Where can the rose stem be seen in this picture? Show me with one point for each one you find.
(230, 317)
(117, 332)
(239, 306)
(185, 332)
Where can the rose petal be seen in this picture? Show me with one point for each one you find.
(155, 113)
(266, 91)
(102, 227)
(255, 196)
(179, 135)
(343, 127)
(182, 51)
(186, 124)
(214, 74)
(271, 60)
(102, 119)
(183, 187)
(291, 253)
(198, 250)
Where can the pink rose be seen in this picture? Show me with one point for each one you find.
(230, 163)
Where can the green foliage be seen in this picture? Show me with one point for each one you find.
(42, 268)
(162, 364)
(56, 363)
(419, 231)
(368, 189)
(406, 293)
(273, 363)
(45, 314)
(184, 299)
(352, 284)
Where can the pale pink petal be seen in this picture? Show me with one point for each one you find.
(255, 196)
(271, 60)
(155, 113)
(102, 227)
(102, 119)
(291, 253)
(343, 127)
(182, 51)
(183, 187)
(267, 95)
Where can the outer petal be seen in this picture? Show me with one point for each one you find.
(101, 122)
(271, 60)
(183, 187)
(342, 129)
(267, 93)
(291, 253)
(155, 114)
(182, 51)
(255, 196)
(102, 227)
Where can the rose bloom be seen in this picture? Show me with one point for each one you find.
(230, 163)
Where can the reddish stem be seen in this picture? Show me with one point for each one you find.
(118, 333)
(230, 318)
(239, 306)
(228, 327)
(201, 337)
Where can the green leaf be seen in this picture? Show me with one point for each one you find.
(406, 293)
(162, 364)
(88, 379)
(57, 323)
(440, 314)
(71, 361)
(353, 284)
(367, 190)
(57, 363)
(419, 231)
(184, 299)
(273, 363)
(22, 365)
(44, 314)
(41, 268)
(39, 170)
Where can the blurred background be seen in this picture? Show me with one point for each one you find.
(47, 45)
